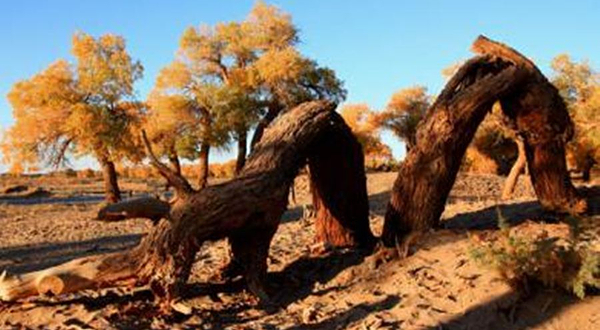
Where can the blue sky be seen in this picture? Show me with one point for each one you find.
(376, 47)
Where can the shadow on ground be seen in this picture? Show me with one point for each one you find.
(512, 311)
(28, 258)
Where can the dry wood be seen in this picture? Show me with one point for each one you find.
(246, 210)
(143, 207)
(539, 114)
(339, 191)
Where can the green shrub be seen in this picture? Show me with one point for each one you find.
(567, 262)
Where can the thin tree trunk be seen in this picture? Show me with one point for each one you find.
(175, 164)
(203, 165)
(111, 185)
(518, 167)
(242, 150)
(588, 164)
(273, 111)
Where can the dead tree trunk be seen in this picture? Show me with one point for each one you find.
(111, 185)
(203, 165)
(246, 210)
(540, 116)
(340, 191)
(513, 176)
(429, 170)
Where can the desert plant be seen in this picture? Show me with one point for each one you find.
(554, 261)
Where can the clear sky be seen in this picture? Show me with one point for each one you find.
(376, 47)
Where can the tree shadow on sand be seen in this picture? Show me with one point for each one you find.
(32, 257)
(512, 311)
(518, 212)
(355, 314)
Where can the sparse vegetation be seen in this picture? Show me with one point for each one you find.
(520, 256)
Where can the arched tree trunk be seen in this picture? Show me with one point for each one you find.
(513, 176)
(429, 170)
(242, 139)
(111, 185)
(203, 165)
(246, 210)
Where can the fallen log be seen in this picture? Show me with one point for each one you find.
(246, 210)
(144, 207)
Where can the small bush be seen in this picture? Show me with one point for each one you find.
(521, 257)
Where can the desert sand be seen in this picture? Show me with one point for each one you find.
(437, 287)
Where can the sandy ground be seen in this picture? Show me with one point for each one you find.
(438, 287)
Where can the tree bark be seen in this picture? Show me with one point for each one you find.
(515, 171)
(111, 185)
(242, 150)
(429, 170)
(203, 165)
(339, 191)
(143, 207)
(247, 210)
(540, 116)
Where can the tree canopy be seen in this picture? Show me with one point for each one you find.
(579, 85)
(362, 121)
(226, 77)
(403, 113)
(86, 108)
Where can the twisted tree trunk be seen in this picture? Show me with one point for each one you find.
(246, 210)
(429, 170)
